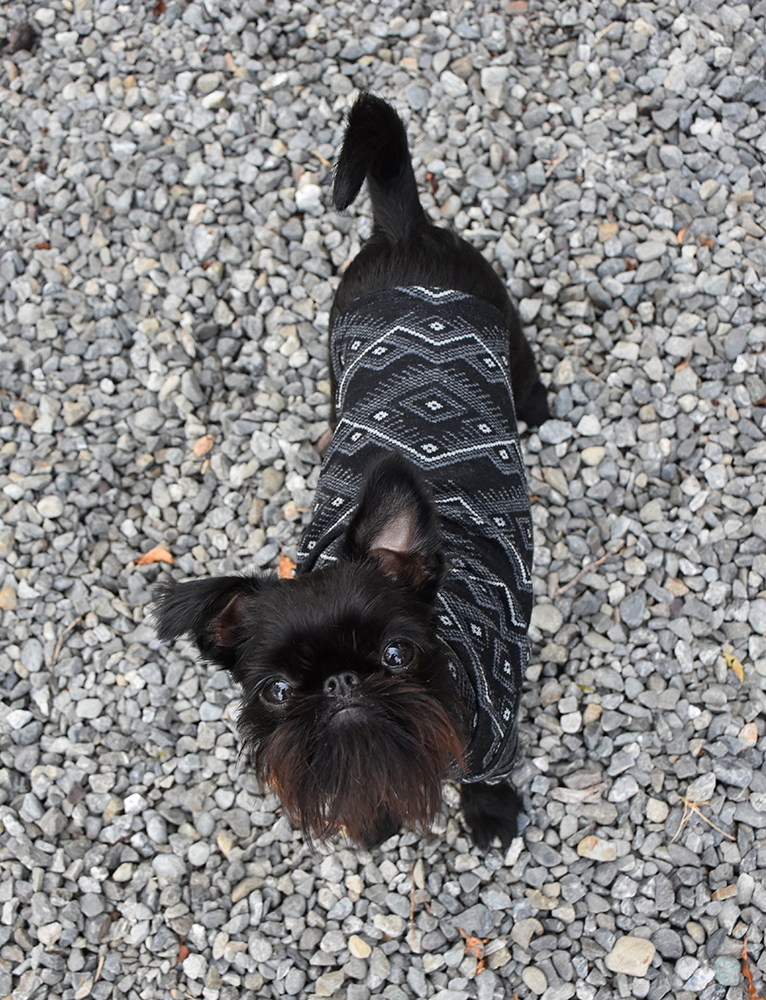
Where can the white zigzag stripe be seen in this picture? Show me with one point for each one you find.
(394, 353)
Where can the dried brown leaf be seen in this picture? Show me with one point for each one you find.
(157, 554)
(736, 666)
(752, 993)
(286, 567)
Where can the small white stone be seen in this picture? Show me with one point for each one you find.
(46, 329)
(635, 566)
(198, 853)
(594, 455)
(625, 350)
(329, 984)
(45, 17)
(623, 789)
(716, 476)
(51, 506)
(195, 966)
(222, 314)
(757, 616)
(309, 198)
(690, 486)
(123, 872)
(564, 373)
(493, 80)
(535, 980)
(547, 618)
(571, 722)
(213, 100)
(49, 933)
(18, 718)
(359, 947)
(528, 309)
(555, 431)
(196, 213)
(523, 931)
(89, 708)
(657, 810)
(654, 369)
(453, 85)
(597, 849)
(589, 425)
(631, 956)
(135, 803)
(118, 122)
(651, 511)
(390, 923)
(243, 280)
(168, 866)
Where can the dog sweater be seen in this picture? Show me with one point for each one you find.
(425, 372)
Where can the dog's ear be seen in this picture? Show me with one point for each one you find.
(397, 525)
(211, 612)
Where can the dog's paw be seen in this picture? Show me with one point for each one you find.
(534, 410)
(491, 811)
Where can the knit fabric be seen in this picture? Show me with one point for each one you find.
(425, 372)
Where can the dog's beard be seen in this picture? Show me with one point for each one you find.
(349, 765)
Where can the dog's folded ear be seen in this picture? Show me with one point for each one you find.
(211, 612)
(397, 525)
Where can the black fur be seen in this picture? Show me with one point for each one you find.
(349, 710)
(406, 249)
(383, 763)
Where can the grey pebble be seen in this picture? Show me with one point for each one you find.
(632, 609)
(668, 943)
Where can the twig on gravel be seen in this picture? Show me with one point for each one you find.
(555, 163)
(322, 159)
(603, 31)
(747, 973)
(584, 572)
(693, 807)
(61, 638)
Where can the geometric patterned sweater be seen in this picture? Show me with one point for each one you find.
(425, 372)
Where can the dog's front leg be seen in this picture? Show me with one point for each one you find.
(491, 811)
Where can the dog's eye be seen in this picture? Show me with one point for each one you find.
(277, 693)
(398, 655)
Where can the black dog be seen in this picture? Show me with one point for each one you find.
(394, 659)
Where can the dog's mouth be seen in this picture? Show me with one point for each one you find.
(347, 713)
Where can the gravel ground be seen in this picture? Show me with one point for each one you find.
(167, 263)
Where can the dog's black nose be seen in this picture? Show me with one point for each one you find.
(341, 685)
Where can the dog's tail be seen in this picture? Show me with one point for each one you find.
(375, 146)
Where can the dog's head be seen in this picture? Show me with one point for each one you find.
(348, 709)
